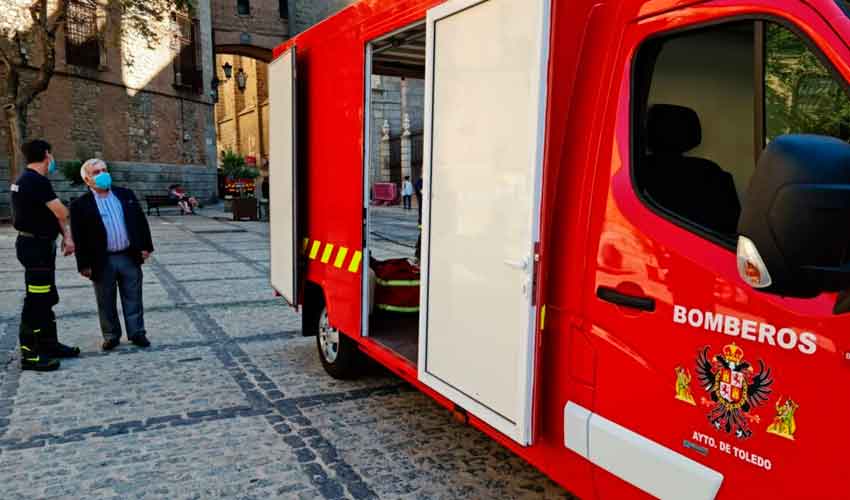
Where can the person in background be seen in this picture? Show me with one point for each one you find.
(186, 203)
(406, 192)
(115, 240)
(418, 187)
(39, 216)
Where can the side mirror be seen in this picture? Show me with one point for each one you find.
(794, 230)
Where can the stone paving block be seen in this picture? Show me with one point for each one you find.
(407, 446)
(175, 256)
(259, 255)
(77, 300)
(114, 387)
(10, 303)
(179, 246)
(164, 327)
(200, 271)
(245, 321)
(293, 364)
(254, 289)
(174, 463)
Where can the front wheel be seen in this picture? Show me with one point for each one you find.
(338, 353)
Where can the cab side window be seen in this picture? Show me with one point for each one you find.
(708, 101)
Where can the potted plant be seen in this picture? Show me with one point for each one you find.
(240, 185)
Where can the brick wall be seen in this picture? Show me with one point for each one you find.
(227, 135)
(310, 12)
(128, 110)
(143, 179)
(263, 27)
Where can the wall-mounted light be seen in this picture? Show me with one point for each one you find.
(241, 80)
(228, 70)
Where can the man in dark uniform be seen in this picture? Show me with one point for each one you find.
(39, 216)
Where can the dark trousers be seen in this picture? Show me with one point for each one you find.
(121, 275)
(38, 323)
(406, 199)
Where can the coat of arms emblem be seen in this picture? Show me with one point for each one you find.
(734, 389)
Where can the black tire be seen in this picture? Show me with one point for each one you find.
(339, 354)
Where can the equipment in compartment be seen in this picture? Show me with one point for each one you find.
(396, 287)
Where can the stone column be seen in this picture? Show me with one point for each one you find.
(385, 175)
(406, 149)
(204, 13)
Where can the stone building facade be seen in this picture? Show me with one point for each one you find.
(398, 106)
(242, 116)
(306, 13)
(245, 32)
(144, 107)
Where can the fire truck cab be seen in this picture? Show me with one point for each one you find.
(634, 248)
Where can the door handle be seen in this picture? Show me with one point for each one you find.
(621, 299)
(522, 265)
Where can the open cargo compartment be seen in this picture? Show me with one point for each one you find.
(395, 106)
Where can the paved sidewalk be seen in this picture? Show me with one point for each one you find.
(229, 402)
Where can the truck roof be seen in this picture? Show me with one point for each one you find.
(383, 12)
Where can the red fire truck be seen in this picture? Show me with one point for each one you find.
(634, 244)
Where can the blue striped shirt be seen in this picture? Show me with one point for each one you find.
(112, 214)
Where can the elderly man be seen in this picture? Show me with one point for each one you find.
(114, 241)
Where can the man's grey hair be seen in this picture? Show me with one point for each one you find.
(89, 163)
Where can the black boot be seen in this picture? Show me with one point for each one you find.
(54, 348)
(32, 354)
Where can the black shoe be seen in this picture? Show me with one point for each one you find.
(64, 351)
(110, 344)
(39, 363)
(141, 341)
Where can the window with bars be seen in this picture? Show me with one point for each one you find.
(82, 44)
(187, 63)
(243, 7)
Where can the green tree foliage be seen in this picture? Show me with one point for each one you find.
(234, 166)
(801, 94)
(23, 77)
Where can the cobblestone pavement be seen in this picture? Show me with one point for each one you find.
(229, 402)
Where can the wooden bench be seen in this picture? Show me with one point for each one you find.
(155, 201)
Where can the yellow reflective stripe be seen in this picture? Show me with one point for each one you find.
(385, 307)
(397, 282)
(543, 317)
(38, 289)
(355, 261)
(33, 360)
(37, 331)
(340, 257)
(25, 348)
(315, 250)
(326, 255)
(306, 242)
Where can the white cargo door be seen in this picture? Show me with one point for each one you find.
(485, 105)
(283, 179)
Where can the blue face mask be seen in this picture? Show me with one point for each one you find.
(103, 180)
(51, 167)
